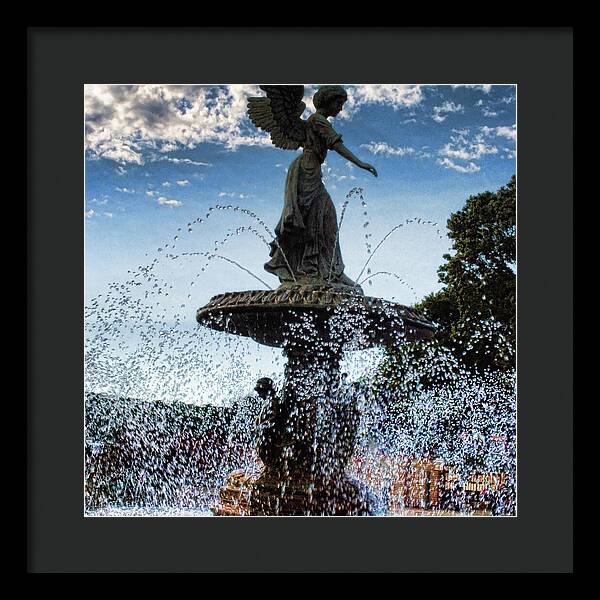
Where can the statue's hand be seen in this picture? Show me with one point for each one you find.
(370, 168)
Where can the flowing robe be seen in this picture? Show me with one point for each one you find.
(307, 232)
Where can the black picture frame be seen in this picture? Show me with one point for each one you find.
(61, 61)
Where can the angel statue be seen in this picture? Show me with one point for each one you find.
(306, 248)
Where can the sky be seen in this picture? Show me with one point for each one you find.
(159, 156)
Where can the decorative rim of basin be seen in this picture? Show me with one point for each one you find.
(321, 300)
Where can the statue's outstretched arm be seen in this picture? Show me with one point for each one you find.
(343, 151)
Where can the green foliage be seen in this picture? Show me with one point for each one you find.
(475, 310)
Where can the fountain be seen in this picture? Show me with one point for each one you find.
(308, 428)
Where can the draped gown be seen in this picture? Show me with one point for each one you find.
(307, 231)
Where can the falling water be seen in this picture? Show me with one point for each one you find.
(371, 253)
(357, 191)
(170, 410)
(371, 276)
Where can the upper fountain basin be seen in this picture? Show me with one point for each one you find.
(332, 314)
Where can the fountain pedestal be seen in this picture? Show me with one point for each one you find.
(307, 439)
(307, 434)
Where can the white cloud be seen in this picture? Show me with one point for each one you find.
(118, 151)
(489, 113)
(135, 123)
(508, 132)
(151, 193)
(462, 147)
(123, 122)
(125, 190)
(396, 96)
(232, 195)
(108, 215)
(166, 184)
(450, 164)
(183, 182)
(183, 161)
(486, 88)
(440, 113)
(169, 202)
(387, 150)
(465, 147)
(332, 174)
(90, 213)
(120, 171)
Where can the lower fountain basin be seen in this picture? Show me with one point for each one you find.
(331, 313)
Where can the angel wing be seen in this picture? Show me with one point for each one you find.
(279, 114)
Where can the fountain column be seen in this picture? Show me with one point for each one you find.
(304, 442)
(307, 432)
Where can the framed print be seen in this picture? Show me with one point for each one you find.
(299, 299)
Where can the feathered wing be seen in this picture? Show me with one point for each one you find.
(279, 114)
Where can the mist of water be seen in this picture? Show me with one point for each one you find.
(170, 409)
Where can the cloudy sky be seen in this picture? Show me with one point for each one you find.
(159, 156)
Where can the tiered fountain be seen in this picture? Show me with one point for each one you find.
(307, 430)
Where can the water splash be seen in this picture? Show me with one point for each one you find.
(357, 191)
(371, 276)
(371, 254)
(170, 410)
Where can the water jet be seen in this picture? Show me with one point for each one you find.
(317, 314)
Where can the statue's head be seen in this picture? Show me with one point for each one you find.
(330, 99)
(264, 387)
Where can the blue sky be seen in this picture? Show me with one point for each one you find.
(159, 156)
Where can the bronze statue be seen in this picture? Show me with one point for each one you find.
(306, 249)
(277, 447)
(307, 430)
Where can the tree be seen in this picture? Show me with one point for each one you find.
(475, 311)
(453, 397)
